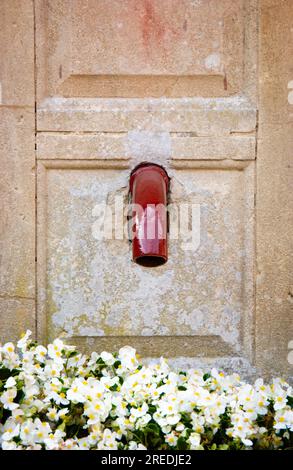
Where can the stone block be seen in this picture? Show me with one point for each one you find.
(139, 48)
(17, 171)
(91, 288)
(17, 86)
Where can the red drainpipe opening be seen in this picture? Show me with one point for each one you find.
(149, 186)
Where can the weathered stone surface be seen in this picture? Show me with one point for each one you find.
(93, 288)
(158, 37)
(17, 153)
(17, 53)
(145, 80)
(274, 327)
(16, 316)
(125, 146)
(17, 203)
(87, 144)
(202, 116)
(144, 48)
(213, 148)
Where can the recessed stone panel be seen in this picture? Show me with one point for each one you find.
(92, 288)
(140, 47)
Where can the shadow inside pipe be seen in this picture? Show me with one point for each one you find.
(150, 261)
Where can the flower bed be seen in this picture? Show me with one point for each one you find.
(57, 398)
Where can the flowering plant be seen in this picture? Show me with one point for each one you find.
(58, 398)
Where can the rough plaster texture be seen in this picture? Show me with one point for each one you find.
(201, 89)
(141, 47)
(95, 289)
(17, 53)
(17, 174)
(274, 294)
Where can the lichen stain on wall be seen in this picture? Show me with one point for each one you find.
(96, 289)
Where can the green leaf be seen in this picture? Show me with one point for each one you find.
(186, 419)
(5, 373)
(114, 387)
(20, 396)
(72, 354)
(182, 444)
(290, 401)
(154, 428)
(152, 409)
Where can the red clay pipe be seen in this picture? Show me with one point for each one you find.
(149, 185)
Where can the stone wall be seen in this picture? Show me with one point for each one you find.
(92, 88)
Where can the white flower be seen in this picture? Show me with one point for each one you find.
(198, 422)
(180, 427)
(52, 414)
(10, 430)
(171, 439)
(247, 442)
(62, 412)
(204, 398)
(98, 410)
(108, 358)
(10, 382)
(69, 444)
(22, 343)
(10, 445)
(168, 406)
(142, 422)
(77, 392)
(108, 441)
(42, 431)
(8, 348)
(242, 427)
(134, 446)
(194, 440)
(7, 399)
(17, 415)
(27, 432)
(280, 401)
(83, 443)
(261, 388)
(53, 440)
(53, 369)
(284, 419)
(110, 405)
(127, 356)
(140, 411)
(261, 404)
(55, 351)
(40, 353)
(10, 358)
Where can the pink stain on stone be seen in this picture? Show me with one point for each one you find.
(155, 29)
